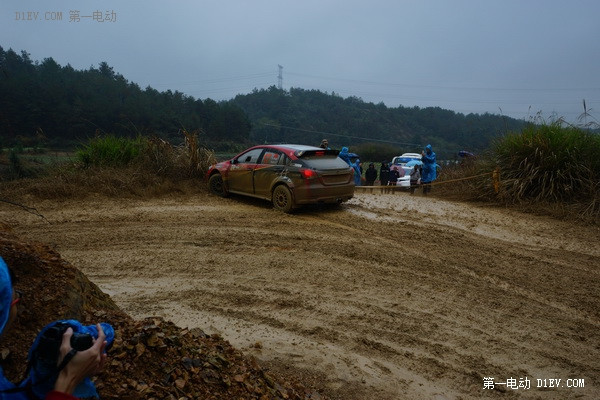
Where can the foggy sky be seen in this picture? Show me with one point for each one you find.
(511, 57)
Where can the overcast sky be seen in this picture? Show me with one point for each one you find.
(511, 57)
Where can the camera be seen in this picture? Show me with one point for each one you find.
(51, 339)
(42, 361)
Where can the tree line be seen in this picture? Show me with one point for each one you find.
(46, 104)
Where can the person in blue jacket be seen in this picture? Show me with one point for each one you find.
(428, 173)
(357, 172)
(78, 366)
(344, 155)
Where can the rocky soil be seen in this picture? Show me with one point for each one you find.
(387, 297)
(150, 358)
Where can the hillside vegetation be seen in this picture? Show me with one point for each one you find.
(306, 116)
(44, 104)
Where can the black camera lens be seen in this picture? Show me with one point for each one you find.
(81, 341)
(49, 345)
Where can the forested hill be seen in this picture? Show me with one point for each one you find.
(45, 104)
(306, 116)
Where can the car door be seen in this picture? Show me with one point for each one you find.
(271, 167)
(240, 177)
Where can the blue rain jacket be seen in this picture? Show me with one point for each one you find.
(344, 155)
(5, 300)
(5, 294)
(357, 173)
(429, 173)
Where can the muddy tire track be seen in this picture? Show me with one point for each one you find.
(386, 297)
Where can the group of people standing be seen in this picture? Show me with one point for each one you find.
(389, 176)
(420, 175)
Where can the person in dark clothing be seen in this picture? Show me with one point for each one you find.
(394, 175)
(415, 178)
(384, 175)
(325, 144)
(370, 175)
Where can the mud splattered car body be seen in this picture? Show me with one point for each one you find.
(288, 175)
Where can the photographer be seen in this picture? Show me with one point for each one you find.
(78, 365)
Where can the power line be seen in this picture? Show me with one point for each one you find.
(453, 101)
(251, 86)
(420, 86)
(415, 145)
(218, 80)
(337, 134)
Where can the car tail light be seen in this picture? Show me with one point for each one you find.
(308, 173)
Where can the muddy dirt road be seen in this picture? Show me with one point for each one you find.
(387, 297)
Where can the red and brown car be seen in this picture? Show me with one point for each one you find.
(288, 175)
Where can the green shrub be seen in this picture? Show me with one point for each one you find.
(151, 155)
(111, 151)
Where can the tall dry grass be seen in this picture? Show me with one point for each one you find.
(549, 162)
(546, 167)
(120, 167)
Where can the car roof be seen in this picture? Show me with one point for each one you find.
(289, 149)
(294, 147)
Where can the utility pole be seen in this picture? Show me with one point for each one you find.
(280, 77)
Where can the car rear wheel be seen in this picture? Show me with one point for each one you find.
(216, 186)
(282, 199)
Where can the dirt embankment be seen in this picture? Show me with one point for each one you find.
(387, 297)
(150, 358)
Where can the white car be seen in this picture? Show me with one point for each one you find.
(404, 181)
(404, 158)
(400, 162)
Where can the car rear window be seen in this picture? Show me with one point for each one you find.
(324, 162)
